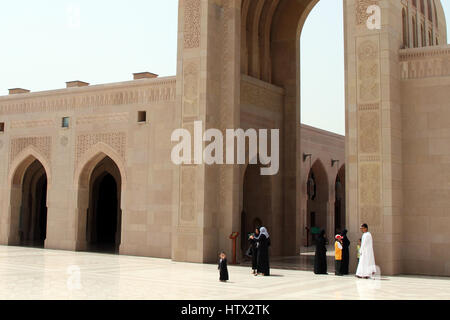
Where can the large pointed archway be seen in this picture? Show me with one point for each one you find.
(28, 204)
(99, 196)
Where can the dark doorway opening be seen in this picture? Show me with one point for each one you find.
(104, 214)
(33, 209)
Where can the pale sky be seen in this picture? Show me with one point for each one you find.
(48, 42)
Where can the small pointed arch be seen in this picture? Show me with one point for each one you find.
(319, 172)
(341, 172)
(340, 201)
(93, 157)
(340, 183)
(23, 160)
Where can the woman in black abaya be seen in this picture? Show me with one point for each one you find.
(254, 250)
(263, 244)
(345, 253)
(320, 259)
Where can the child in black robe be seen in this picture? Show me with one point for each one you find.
(223, 270)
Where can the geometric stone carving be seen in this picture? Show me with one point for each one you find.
(370, 183)
(361, 10)
(372, 215)
(19, 124)
(42, 144)
(116, 140)
(191, 90)
(103, 118)
(425, 63)
(369, 137)
(258, 94)
(191, 24)
(368, 71)
(158, 90)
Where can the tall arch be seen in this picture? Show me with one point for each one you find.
(219, 25)
(29, 181)
(317, 217)
(405, 28)
(100, 183)
(339, 203)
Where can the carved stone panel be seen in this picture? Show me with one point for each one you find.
(369, 132)
(368, 70)
(361, 10)
(116, 140)
(42, 144)
(191, 24)
(191, 89)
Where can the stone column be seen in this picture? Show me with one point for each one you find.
(208, 79)
(373, 141)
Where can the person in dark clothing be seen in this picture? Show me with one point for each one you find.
(223, 269)
(254, 251)
(345, 253)
(320, 259)
(263, 244)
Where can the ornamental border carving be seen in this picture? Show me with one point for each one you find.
(192, 17)
(29, 124)
(103, 118)
(361, 10)
(116, 140)
(66, 101)
(42, 144)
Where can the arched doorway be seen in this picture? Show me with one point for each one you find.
(339, 203)
(257, 202)
(103, 220)
(28, 225)
(317, 205)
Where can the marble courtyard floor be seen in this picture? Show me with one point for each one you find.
(27, 273)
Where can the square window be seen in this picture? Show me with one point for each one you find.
(65, 122)
(2, 127)
(142, 116)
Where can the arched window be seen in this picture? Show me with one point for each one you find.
(422, 7)
(430, 39)
(311, 187)
(435, 12)
(437, 41)
(415, 3)
(415, 39)
(405, 28)
(422, 34)
(430, 11)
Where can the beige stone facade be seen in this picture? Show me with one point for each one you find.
(238, 67)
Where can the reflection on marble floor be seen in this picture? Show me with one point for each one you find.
(27, 273)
